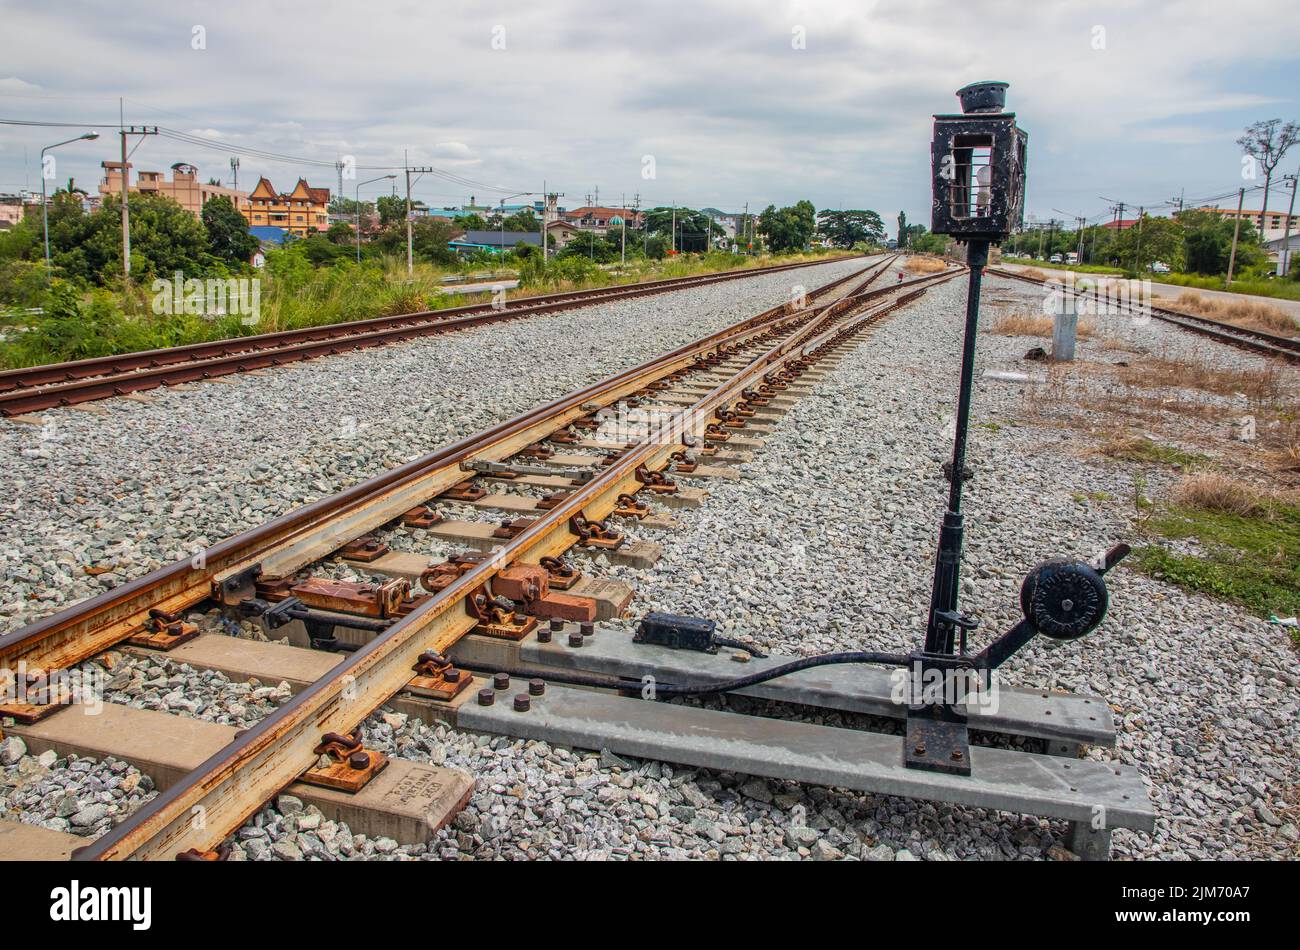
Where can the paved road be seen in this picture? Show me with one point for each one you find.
(1173, 290)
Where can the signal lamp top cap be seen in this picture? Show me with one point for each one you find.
(988, 96)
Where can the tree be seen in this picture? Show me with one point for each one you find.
(228, 237)
(902, 229)
(341, 232)
(789, 228)
(523, 220)
(847, 228)
(429, 237)
(910, 233)
(1207, 242)
(1151, 239)
(392, 209)
(1266, 142)
(929, 243)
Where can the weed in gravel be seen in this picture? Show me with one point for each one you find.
(1138, 448)
(1251, 559)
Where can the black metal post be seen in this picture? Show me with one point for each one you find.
(942, 623)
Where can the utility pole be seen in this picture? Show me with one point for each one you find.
(234, 171)
(1236, 232)
(126, 209)
(1284, 258)
(623, 218)
(674, 227)
(410, 252)
(1137, 248)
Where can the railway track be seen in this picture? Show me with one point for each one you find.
(38, 388)
(1255, 341)
(443, 641)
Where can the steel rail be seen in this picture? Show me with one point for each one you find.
(234, 782)
(305, 534)
(1256, 341)
(36, 388)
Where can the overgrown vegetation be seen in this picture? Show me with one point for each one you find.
(1031, 324)
(1244, 313)
(1138, 448)
(1229, 541)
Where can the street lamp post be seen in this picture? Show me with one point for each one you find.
(502, 245)
(45, 212)
(356, 201)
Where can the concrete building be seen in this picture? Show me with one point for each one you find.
(561, 233)
(184, 188)
(601, 219)
(301, 212)
(11, 211)
(1271, 230)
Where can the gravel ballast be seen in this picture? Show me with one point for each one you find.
(826, 543)
(128, 486)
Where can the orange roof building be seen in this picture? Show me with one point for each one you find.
(301, 212)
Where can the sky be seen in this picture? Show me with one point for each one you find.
(707, 103)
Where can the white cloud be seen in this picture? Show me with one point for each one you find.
(714, 90)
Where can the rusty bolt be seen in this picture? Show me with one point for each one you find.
(575, 639)
(556, 624)
(486, 697)
(359, 761)
(957, 755)
(587, 629)
(451, 675)
(543, 635)
(920, 748)
(501, 681)
(522, 702)
(536, 687)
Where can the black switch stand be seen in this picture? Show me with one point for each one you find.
(937, 738)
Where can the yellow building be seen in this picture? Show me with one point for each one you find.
(301, 212)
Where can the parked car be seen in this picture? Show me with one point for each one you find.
(1160, 267)
(1056, 259)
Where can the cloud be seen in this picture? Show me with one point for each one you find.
(733, 108)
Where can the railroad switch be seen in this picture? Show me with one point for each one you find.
(421, 517)
(657, 482)
(681, 463)
(464, 491)
(730, 419)
(34, 698)
(681, 632)
(563, 575)
(497, 616)
(344, 763)
(513, 528)
(438, 577)
(628, 507)
(436, 678)
(386, 600)
(529, 584)
(595, 534)
(163, 631)
(194, 854)
(554, 499)
(364, 549)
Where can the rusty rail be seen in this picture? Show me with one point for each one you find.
(37, 388)
(235, 782)
(315, 530)
(1255, 341)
